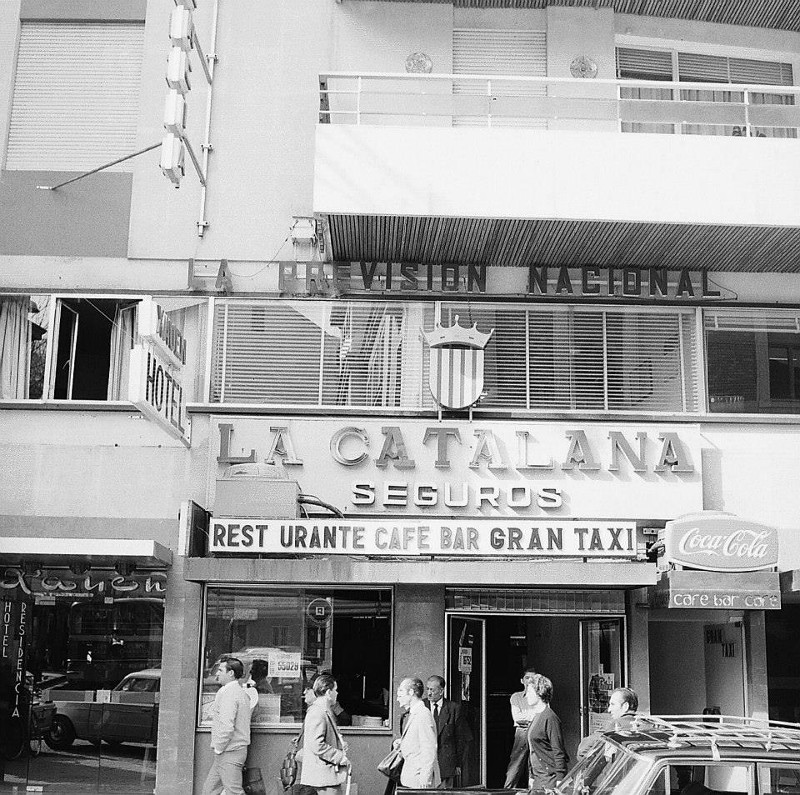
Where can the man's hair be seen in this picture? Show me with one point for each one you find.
(322, 684)
(529, 670)
(438, 679)
(543, 687)
(629, 697)
(233, 664)
(258, 669)
(413, 684)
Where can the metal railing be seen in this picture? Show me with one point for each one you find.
(731, 109)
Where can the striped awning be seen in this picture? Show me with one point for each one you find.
(519, 242)
(780, 14)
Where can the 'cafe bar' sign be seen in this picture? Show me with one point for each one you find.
(725, 562)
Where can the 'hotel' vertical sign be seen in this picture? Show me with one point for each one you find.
(156, 370)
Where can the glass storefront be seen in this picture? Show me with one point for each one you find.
(286, 636)
(80, 687)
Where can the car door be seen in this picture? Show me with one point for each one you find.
(129, 716)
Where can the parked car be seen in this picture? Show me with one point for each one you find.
(691, 755)
(130, 715)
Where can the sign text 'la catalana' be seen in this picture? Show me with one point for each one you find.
(462, 468)
(477, 538)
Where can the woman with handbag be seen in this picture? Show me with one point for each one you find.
(325, 763)
(548, 759)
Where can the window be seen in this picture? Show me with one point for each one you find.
(76, 95)
(689, 778)
(753, 361)
(541, 358)
(92, 348)
(79, 348)
(779, 777)
(703, 111)
(23, 345)
(346, 632)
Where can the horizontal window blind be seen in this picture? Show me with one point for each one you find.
(633, 63)
(76, 95)
(374, 354)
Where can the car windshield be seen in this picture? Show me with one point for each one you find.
(607, 770)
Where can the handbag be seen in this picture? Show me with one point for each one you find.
(392, 764)
(288, 771)
(253, 781)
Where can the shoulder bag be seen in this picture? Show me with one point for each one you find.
(288, 771)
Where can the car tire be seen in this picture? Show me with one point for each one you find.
(61, 734)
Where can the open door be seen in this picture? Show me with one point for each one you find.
(465, 682)
(601, 670)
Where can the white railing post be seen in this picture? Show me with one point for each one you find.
(358, 101)
(746, 97)
(488, 103)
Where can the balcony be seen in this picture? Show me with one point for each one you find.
(513, 170)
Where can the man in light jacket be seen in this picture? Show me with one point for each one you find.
(418, 742)
(230, 730)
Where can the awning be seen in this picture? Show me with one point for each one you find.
(97, 552)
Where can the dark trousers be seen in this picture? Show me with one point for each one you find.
(518, 763)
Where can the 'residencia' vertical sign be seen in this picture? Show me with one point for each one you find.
(158, 358)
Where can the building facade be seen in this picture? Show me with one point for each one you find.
(468, 342)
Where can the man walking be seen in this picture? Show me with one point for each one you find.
(452, 732)
(230, 730)
(622, 706)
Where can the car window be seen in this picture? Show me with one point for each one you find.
(705, 779)
(139, 685)
(604, 770)
(779, 778)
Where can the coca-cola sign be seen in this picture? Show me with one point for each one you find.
(720, 542)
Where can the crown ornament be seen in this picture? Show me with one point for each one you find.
(457, 336)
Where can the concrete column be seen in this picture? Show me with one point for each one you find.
(755, 655)
(639, 646)
(179, 683)
(418, 634)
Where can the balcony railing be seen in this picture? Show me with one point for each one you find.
(728, 109)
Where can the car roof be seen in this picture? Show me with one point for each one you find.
(147, 673)
(710, 736)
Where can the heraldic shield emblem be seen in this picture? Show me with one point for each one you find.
(456, 364)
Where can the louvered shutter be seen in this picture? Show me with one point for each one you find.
(638, 64)
(76, 95)
(500, 53)
(765, 73)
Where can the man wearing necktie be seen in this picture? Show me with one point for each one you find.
(452, 732)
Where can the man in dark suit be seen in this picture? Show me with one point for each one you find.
(452, 732)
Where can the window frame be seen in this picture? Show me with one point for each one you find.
(291, 728)
(661, 770)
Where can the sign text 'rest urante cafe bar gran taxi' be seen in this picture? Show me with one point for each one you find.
(459, 488)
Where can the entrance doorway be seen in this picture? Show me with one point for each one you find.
(487, 655)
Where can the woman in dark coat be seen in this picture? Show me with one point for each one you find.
(548, 759)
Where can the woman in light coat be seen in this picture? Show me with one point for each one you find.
(325, 759)
(418, 742)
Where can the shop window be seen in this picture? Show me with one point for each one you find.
(753, 362)
(346, 632)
